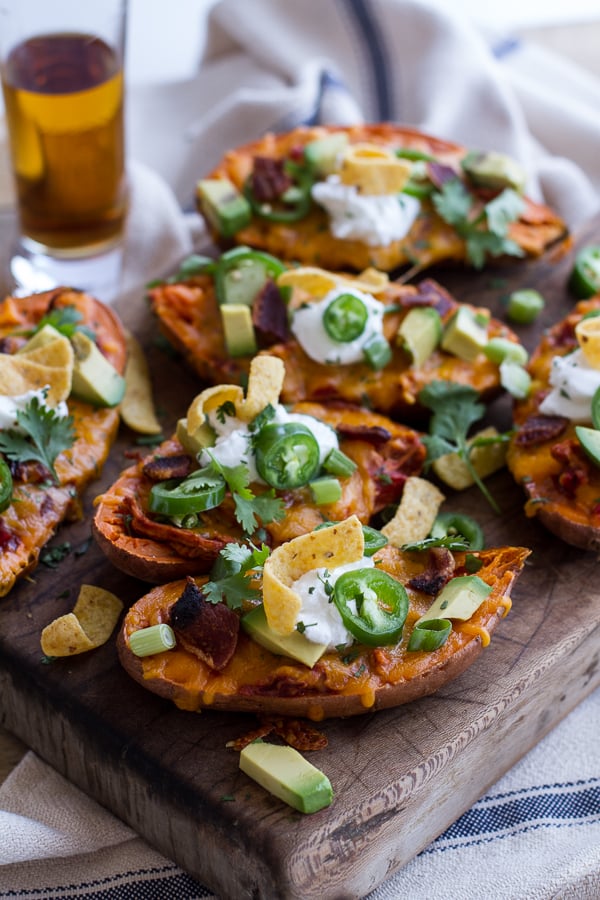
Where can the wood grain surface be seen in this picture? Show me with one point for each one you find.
(400, 777)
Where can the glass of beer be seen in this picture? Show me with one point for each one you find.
(63, 85)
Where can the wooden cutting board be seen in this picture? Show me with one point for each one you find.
(400, 777)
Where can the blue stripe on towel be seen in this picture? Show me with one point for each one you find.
(373, 43)
(546, 806)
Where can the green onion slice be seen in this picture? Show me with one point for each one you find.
(337, 463)
(151, 640)
(429, 635)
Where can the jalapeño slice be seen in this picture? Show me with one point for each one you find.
(196, 493)
(287, 455)
(450, 524)
(345, 318)
(381, 605)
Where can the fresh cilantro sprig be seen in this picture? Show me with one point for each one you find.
(455, 408)
(448, 541)
(237, 567)
(44, 435)
(250, 509)
(66, 321)
(484, 230)
(224, 410)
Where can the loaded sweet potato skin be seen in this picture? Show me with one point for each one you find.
(37, 511)
(545, 456)
(350, 683)
(430, 239)
(386, 453)
(184, 309)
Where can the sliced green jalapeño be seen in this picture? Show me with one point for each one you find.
(196, 493)
(6, 485)
(457, 525)
(345, 318)
(372, 604)
(287, 455)
(585, 276)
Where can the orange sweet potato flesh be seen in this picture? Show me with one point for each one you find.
(37, 511)
(561, 483)
(360, 681)
(430, 240)
(188, 315)
(386, 453)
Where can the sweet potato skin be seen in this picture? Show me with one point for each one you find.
(430, 239)
(130, 543)
(561, 484)
(367, 680)
(36, 513)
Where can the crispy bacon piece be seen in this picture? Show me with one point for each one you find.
(575, 464)
(208, 630)
(270, 316)
(430, 293)
(538, 429)
(186, 542)
(269, 179)
(440, 174)
(8, 539)
(162, 468)
(439, 571)
(372, 434)
(299, 734)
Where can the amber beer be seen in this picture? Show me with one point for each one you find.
(64, 104)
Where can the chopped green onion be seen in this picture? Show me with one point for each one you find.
(325, 490)
(153, 639)
(498, 349)
(429, 635)
(515, 379)
(377, 351)
(524, 306)
(337, 463)
(596, 409)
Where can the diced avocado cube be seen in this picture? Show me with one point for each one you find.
(286, 774)
(295, 645)
(494, 170)
(589, 438)
(239, 330)
(204, 436)
(458, 599)
(224, 207)
(243, 282)
(323, 153)
(420, 333)
(95, 379)
(464, 336)
(45, 335)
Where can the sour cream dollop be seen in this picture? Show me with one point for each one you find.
(322, 621)
(234, 446)
(9, 406)
(376, 220)
(574, 383)
(308, 329)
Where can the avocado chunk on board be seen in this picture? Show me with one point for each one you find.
(286, 774)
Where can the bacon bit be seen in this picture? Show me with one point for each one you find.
(162, 468)
(576, 467)
(563, 335)
(430, 293)
(11, 343)
(269, 316)
(208, 630)
(439, 571)
(250, 736)
(134, 454)
(269, 179)
(440, 174)
(538, 429)
(298, 734)
(8, 539)
(372, 434)
(189, 544)
(391, 466)
(29, 471)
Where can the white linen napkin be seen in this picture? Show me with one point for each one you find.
(275, 64)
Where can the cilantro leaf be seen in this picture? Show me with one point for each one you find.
(455, 408)
(66, 321)
(224, 410)
(249, 508)
(448, 541)
(241, 564)
(46, 435)
(483, 230)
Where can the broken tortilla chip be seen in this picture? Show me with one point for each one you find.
(318, 282)
(19, 375)
(265, 381)
(337, 545)
(416, 513)
(137, 406)
(90, 625)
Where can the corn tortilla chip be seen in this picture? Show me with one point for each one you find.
(587, 332)
(331, 547)
(265, 381)
(211, 398)
(90, 625)
(416, 513)
(137, 406)
(374, 170)
(18, 375)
